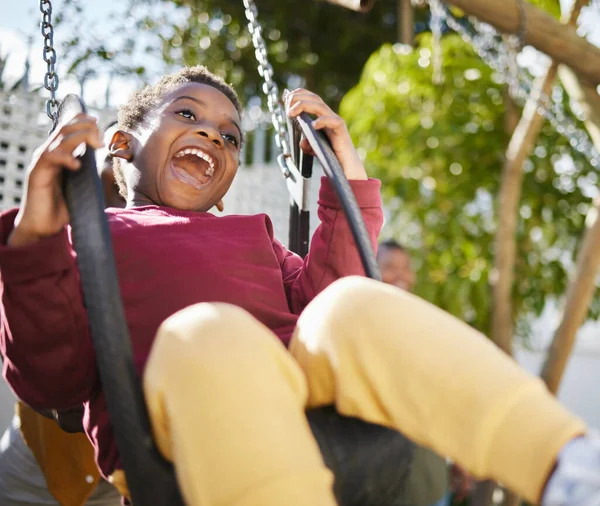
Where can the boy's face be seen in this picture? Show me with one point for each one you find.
(395, 268)
(186, 153)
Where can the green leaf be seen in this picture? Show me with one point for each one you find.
(552, 7)
(439, 151)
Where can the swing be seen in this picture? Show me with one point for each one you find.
(370, 462)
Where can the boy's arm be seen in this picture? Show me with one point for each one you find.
(48, 356)
(333, 253)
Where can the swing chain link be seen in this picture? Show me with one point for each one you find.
(49, 55)
(515, 44)
(521, 35)
(265, 69)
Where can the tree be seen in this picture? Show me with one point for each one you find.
(323, 44)
(439, 151)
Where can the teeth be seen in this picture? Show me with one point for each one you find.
(200, 154)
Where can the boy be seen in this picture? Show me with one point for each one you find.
(212, 303)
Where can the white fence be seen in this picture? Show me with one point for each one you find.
(23, 127)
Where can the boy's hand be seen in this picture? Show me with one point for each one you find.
(333, 125)
(44, 211)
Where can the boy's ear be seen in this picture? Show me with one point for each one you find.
(121, 145)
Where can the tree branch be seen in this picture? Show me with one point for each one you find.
(583, 286)
(519, 147)
(405, 21)
(559, 41)
(521, 143)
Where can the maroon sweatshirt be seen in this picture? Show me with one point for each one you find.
(166, 260)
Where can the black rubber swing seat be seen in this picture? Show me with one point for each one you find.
(370, 463)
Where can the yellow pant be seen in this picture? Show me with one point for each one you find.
(227, 400)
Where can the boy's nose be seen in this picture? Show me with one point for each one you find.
(212, 134)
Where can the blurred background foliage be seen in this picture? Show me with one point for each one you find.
(321, 46)
(438, 148)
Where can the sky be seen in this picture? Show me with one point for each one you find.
(21, 19)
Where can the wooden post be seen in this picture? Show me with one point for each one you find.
(405, 18)
(588, 100)
(582, 286)
(578, 299)
(519, 147)
(522, 141)
(545, 33)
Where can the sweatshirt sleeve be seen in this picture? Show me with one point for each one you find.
(332, 253)
(45, 342)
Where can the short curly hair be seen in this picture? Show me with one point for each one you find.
(132, 114)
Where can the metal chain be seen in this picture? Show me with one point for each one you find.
(278, 117)
(551, 109)
(49, 55)
(521, 34)
(515, 44)
(437, 26)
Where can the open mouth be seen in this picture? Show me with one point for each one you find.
(193, 166)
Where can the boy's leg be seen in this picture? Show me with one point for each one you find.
(227, 404)
(388, 357)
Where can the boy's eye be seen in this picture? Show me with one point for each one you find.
(186, 113)
(231, 139)
(189, 114)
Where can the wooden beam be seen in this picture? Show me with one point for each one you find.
(545, 33)
(519, 147)
(578, 298)
(521, 143)
(583, 285)
(405, 19)
(588, 99)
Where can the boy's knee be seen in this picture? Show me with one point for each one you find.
(199, 322)
(216, 344)
(210, 333)
(350, 312)
(352, 296)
